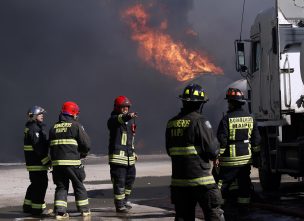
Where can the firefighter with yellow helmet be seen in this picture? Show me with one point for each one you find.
(191, 145)
(239, 138)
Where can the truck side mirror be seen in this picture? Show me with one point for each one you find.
(240, 56)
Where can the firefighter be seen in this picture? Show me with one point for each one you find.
(239, 138)
(69, 143)
(37, 162)
(191, 144)
(122, 155)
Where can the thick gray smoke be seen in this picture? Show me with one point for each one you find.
(55, 51)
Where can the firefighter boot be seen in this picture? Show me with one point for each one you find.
(44, 213)
(122, 209)
(128, 205)
(62, 216)
(86, 213)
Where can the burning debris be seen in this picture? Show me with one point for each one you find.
(161, 52)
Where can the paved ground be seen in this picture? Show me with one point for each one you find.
(97, 177)
(152, 183)
(150, 195)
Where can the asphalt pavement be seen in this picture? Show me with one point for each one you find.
(152, 183)
(150, 196)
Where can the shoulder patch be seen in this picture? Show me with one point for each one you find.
(208, 125)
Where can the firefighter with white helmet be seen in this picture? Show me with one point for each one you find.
(69, 143)
(37, 162)
(191, 145)
(122, 155)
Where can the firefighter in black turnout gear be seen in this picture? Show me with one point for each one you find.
(239, 140)
(68, 144)
(122, 156)
(37, 162)
(191, 145)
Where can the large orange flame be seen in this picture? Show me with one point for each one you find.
(160, 51)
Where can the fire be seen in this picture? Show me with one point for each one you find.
(160, 51)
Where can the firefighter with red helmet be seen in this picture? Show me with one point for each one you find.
(37, 161)
(239, 139)
(69, 143)
(191, 145)
(122, 155)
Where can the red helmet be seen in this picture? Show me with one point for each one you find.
(236, 95)
(70, 108)
(121, 101)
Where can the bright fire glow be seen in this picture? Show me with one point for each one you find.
(160, 51)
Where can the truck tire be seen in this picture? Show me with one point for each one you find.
(269, 181)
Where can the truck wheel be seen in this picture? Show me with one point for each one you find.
(269, 181)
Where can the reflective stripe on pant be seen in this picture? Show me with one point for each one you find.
(61, 177)
(123, 178)
(35, 193)
(228, 176)
(186, 198)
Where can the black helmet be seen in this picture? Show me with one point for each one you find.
(194, 93)
(236, 95)
(34, 111)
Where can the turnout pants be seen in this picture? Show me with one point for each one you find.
(123, 178)
(61, 177)
(186, 198)
(35, 193)
(230, 176)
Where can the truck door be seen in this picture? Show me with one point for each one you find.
(291, 36)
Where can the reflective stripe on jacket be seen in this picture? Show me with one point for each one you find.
(67, 140)
(190, 144)
(239, 136)
(35, 146)
(121, 143)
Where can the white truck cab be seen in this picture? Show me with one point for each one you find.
(275, 79)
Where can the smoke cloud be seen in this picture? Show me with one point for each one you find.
(72, 50)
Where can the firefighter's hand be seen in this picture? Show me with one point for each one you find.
(83, 155)
(49, 165)
(136, 157)
(133, 114)
(216, 163)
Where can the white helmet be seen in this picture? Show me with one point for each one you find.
(34, 111)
